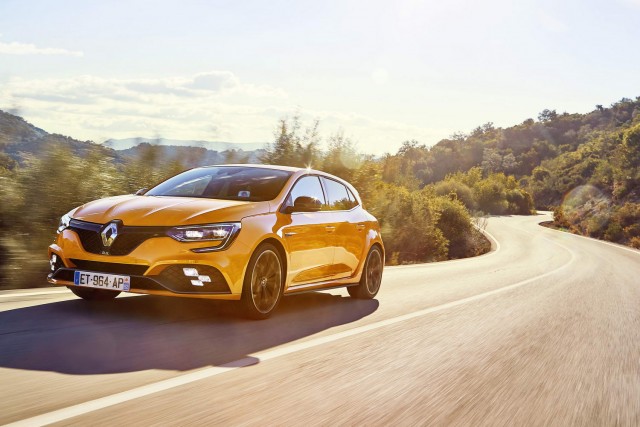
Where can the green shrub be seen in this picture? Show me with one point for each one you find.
(491, 197)
(455, 222)
(614, 232)
(456, 190)
(519, 202)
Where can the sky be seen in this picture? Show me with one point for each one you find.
(380, 72)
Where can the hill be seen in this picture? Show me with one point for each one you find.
(194, 156)
(218, 146)
(584, 166)
(21, 141)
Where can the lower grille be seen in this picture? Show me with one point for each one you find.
(137, 282)
(171, 279)
(110, 267)
(63, 274)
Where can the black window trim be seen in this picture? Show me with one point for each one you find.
(324, 194)
(349, 193)
(321, 178)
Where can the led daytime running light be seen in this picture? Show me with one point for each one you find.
(204, 233)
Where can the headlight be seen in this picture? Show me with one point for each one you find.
(64, 222)
(204, 233)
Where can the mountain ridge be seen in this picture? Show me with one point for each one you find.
(127, 143)
(21, 141)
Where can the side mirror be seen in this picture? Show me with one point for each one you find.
(305, 204)
(141, 191)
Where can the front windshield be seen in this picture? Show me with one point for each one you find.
(225, 182)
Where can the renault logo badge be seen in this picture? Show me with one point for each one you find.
(110, 232)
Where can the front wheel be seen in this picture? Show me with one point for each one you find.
(262, 287)
(92, 294)
(371, 276)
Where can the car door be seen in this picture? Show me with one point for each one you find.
(348, 224)
(307, 236)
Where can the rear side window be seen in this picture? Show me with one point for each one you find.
(338, 196)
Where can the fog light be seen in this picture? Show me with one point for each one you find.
(52, 262)
(197, 283)
(190, 272)
(204, 279)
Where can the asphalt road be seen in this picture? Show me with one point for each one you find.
(544, 330)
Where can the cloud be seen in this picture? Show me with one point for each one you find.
(202, 86)
(209, 105)
(214, 81)
(213, 105)
(16, 48)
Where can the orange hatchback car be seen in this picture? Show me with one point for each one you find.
(235, 232)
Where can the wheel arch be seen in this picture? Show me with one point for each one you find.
(281, 251)
(379, 245)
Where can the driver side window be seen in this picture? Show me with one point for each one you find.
(308, 186)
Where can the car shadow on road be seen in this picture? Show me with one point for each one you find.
(150, 332)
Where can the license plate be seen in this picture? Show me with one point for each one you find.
(112, 282)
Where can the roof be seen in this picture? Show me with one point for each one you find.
(253, 165)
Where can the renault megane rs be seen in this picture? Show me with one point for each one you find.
(236, 232)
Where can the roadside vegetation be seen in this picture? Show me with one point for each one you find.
(584, 167)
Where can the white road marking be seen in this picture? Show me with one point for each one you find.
(593, 239)
(491, 237)
(31, 294)
(252, 359)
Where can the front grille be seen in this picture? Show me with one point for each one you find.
(173, 278)
(127, 240)
(110, 267)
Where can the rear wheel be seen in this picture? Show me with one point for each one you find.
(371, 276)
(92, 294)
(263, 280)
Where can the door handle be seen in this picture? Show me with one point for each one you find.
(290, 233)
(359, 227)
(330, 228)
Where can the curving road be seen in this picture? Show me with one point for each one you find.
(544, 330)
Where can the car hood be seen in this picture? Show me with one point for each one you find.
(167, 211)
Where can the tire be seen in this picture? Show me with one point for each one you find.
(263, 281)
(371, 276)
(92, 294)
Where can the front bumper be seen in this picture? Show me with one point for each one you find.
(155, 266)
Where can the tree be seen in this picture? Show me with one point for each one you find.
(292, 149)
(491, 160)
(547, 115)
(341, 158)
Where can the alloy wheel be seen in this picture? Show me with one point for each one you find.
(374, 272)
(266, 280)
